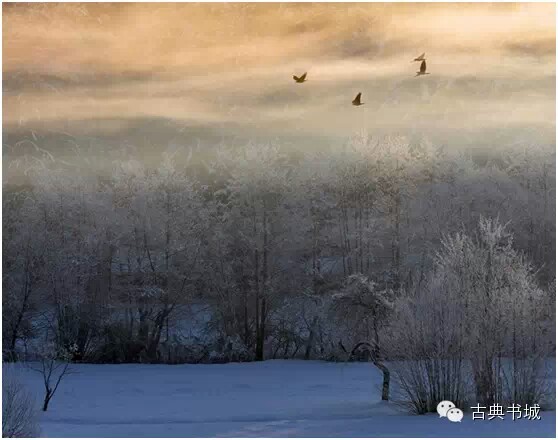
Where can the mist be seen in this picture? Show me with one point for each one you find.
(154, 76)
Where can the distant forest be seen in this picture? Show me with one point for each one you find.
(257, 252)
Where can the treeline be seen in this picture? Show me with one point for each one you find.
(257, 252)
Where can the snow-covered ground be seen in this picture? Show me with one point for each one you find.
(265, 399)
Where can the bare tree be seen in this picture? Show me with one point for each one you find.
(53, 365)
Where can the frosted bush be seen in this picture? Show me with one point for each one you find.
(19, 411)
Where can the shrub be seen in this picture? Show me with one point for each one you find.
(19, 411)
(480, 309)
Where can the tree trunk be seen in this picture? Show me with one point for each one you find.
(385, 383)
(310, 343)
(378, 364)
(263, 311)
(259, 354)
(48, 396)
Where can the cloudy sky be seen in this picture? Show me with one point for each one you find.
(159, 74)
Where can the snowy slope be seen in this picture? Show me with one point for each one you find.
(266, 399)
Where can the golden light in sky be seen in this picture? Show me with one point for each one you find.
(195, 72)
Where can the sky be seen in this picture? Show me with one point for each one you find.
(158, 75)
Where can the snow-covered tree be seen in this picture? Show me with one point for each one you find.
(481, 305)
(361, 301)
(253, 197)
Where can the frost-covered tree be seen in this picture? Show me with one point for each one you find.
(481, 305)
(161, 229)
(22, 271)
(361, 301)
(70, 210)
(256, 239)
(19, 415)
(254, 193)
(496, 289)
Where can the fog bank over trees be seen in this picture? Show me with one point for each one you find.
(257, 252)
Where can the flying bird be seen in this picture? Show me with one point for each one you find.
(422, 70)
(300, 79)
(356, 101)
(420, 58)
